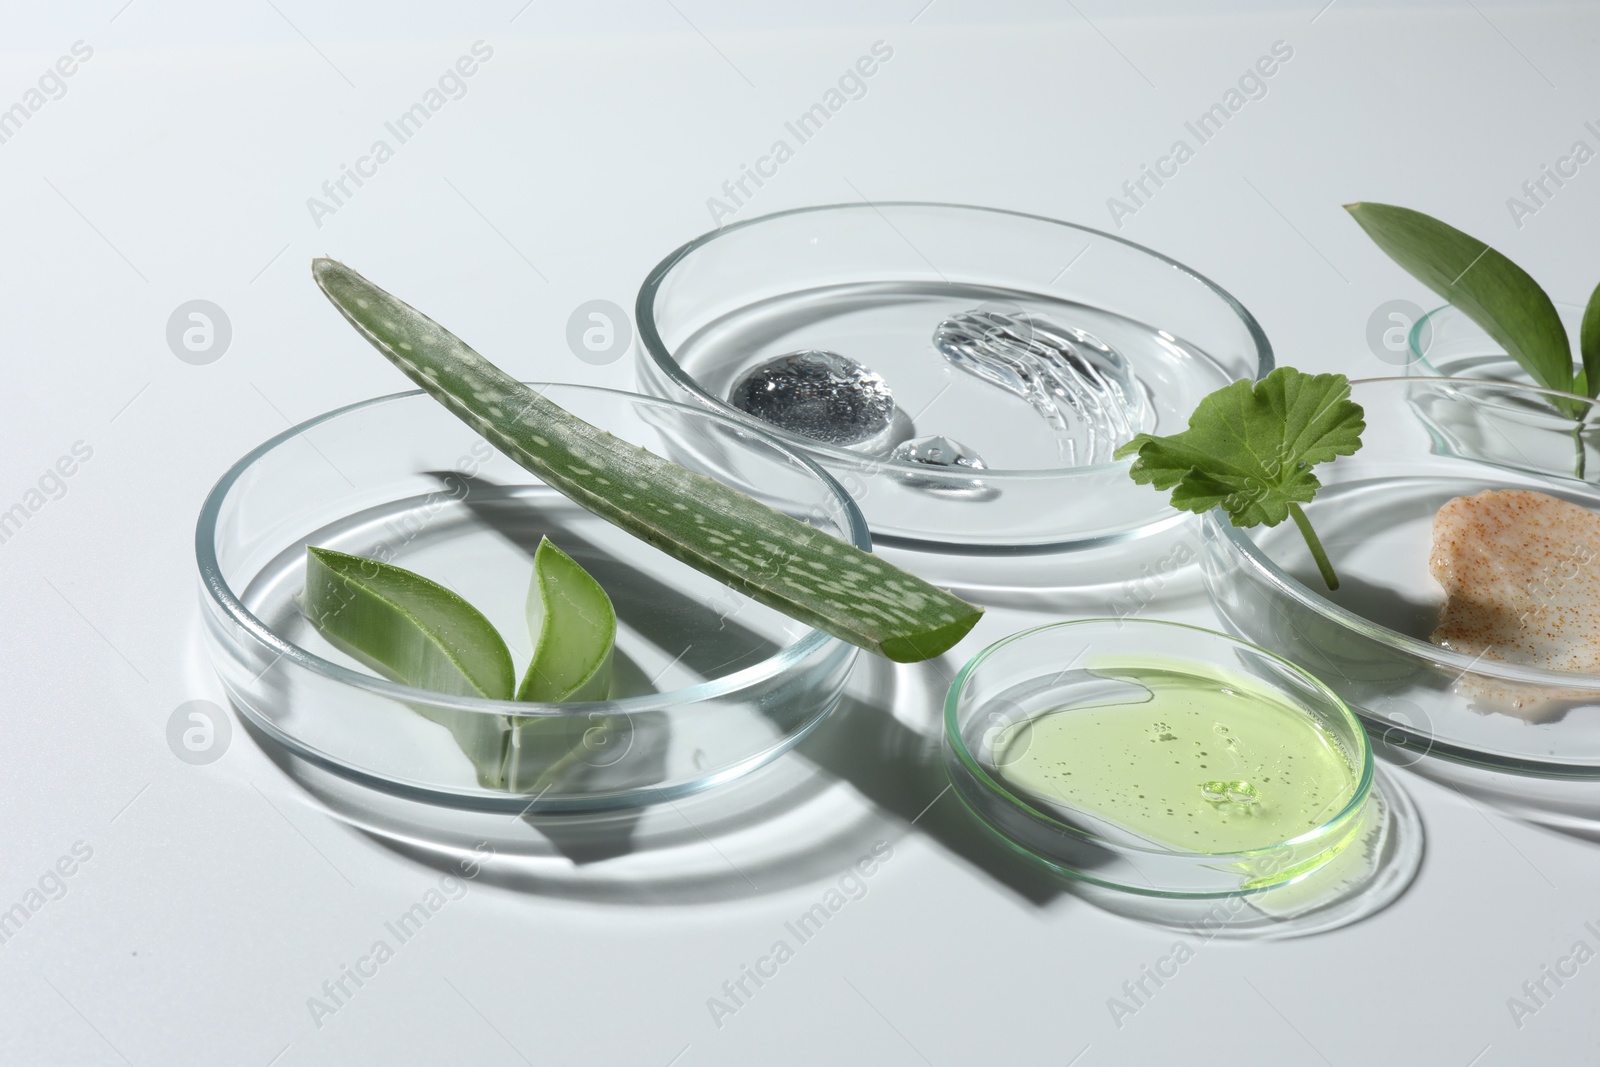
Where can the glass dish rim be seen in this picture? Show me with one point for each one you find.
(656, 349)
(221, 593)
(975, 771)
(1420, 358)
(1309, 598)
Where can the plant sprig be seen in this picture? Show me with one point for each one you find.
(417, 632)
(1250, 449)
(1493, 292)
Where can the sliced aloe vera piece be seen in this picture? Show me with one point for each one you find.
(418, 633)
(574, 631)
(771, 557)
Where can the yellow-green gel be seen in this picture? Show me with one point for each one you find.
(1207, 763)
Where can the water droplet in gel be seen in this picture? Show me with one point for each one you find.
(821, 395)
(1082, 387)
(937, 451)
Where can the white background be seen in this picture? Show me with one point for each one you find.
(177, 166)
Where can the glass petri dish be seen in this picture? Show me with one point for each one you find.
(1427, 441)
(872, 282)
(708, 684)
(1186, 790)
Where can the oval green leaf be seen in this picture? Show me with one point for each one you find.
(1489, 289)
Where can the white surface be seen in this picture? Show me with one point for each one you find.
(177, 166)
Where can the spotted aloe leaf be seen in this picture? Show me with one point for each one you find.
(771, 557)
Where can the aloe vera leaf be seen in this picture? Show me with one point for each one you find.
(420, 634)
(574, 630)
(771, 557)
(1589, 344)
(1489, 289)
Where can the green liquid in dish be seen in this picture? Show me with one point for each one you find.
(1185, 757)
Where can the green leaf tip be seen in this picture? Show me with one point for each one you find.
(1250, 449)
(775, 559)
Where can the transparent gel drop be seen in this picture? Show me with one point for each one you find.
(821, 395)
(1081, 386)
(937, 451)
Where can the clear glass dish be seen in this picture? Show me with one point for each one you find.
(873, 281)
(1427, 441)
(1446, 343)
(708, 684)
(1013, 685)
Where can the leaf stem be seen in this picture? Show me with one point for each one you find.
(1318, 553)
(1582, 460)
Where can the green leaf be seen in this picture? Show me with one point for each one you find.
(574, 631)
(1489, 289)
(420, 634)
(771, 557)
(1589, 344)
(1250, 450)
